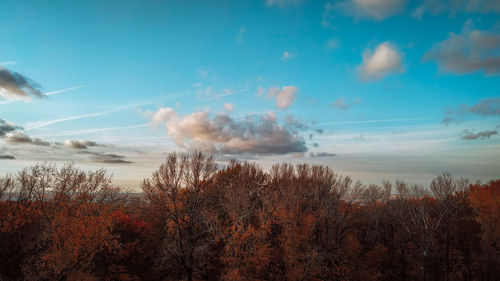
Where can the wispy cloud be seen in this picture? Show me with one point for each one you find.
(94, 130)
(41, 124)
(5, 63)
(286, 55)
(283, 3)
(485, 107)
(241, 34)
(65, 90)
(340, 104)
(48, 93)
(108, 158)
(377, 10)
(470, 135)
(436, 7)
(224, 95)
(472, 50)
(373, 121)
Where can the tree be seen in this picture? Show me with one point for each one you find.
(175, 193)
(485, 201)
(67, 212)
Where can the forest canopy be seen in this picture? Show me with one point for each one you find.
(194, 221)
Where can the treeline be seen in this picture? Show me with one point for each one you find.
(195, 222)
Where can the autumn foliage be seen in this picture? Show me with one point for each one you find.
(194, 221)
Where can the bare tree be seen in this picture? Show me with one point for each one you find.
(70, 211)
(175, 191)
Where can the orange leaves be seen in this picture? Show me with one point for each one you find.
(75, 237)
(486, 199)
(247, 254)
(241, 223)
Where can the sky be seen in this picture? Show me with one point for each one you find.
(375, 89)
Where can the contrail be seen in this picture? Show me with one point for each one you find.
(36, 125)
(96, 130)
(41, 124)
(65, 90)
(373, 121)
(225, 95)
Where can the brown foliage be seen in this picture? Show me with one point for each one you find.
(194, 222)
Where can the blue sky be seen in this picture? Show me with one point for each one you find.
(373, 88)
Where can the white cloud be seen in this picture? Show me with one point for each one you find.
(17, 137)
(163, 114)
(435, 7)
(220, 133)
(381, 62)
(339, 103)
(226, 93)
(485, 107)
(286, 56)
(470, 135)
(241, 34)
(284, 3)
(373, 9)
(203, 73)
(79, 144)
(284, 97)
(15, 86)
(472, 50)
(260, 91)
(229, 106)
(332, 44)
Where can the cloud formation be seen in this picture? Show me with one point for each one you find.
(470, 135)
(241, 33)
(339, 104)
(283, 3)
(17, 86)
(21, 138)
(284, 97)
(13, 134)
(435, 7)
(485, 107)
(7, 127)
(321, 154)
(371, 9)
(332, 44)
(229, 106)
(286, 56)
(108, 158)
(79, 144)
(381, 62)
(222, 134)
(470, 51)
(295, 124)
(7, 157)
